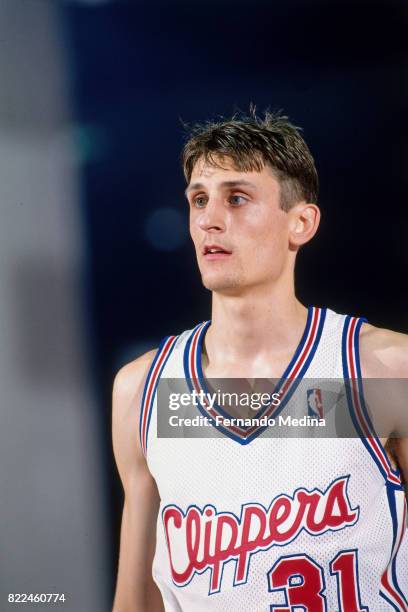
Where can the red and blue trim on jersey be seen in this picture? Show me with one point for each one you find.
(355, 396)
(286, 386)
(389, 589)
(163, 353)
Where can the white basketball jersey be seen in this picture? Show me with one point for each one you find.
(260, 524)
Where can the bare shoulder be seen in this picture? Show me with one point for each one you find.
(131, 377)
(384, 353)
(126, 403)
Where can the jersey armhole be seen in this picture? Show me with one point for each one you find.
(356, 402)
(150, 387)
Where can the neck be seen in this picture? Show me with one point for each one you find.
(267, 321)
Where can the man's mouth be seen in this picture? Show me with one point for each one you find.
(215, 251)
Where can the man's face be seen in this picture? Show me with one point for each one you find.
(239, 231)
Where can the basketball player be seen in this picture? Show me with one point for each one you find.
(242, 521)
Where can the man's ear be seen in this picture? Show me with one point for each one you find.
(304, 219)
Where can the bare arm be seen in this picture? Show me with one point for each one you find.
(135, 588)
(401, 451)
(385, 356)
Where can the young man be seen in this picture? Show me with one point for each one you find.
(240, 520)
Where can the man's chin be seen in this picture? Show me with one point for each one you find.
(220, 284)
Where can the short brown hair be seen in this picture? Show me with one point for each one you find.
(251, 141)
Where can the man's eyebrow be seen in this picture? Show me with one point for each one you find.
(236, 183)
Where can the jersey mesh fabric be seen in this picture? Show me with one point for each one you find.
(227, 475)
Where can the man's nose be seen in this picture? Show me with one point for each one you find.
(212, 217)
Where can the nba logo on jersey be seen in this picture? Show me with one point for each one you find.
(314, 403)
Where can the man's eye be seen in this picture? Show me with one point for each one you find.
(199, 201)
(237, 200)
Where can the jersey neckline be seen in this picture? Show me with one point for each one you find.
(290, 379)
